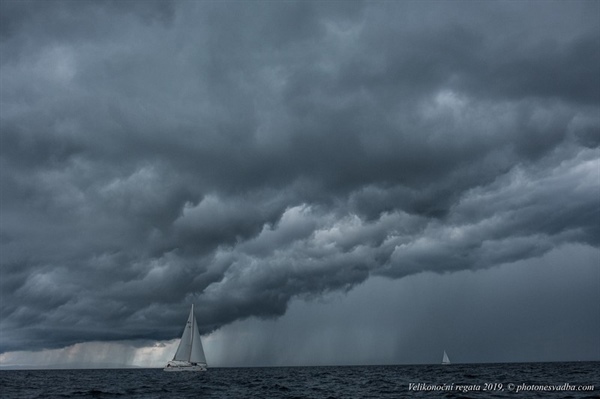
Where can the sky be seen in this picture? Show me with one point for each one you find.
(328, 182)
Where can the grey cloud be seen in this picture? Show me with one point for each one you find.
(241, 155)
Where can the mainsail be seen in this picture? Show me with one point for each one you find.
(190, 347)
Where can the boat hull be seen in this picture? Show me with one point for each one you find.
(184, 366)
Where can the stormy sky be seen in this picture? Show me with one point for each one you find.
(369, 182)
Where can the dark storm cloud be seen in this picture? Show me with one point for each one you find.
(238, 155)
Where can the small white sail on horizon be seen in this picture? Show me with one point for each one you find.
(190, 354)
(445, 359)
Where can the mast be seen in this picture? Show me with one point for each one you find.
(193, 319)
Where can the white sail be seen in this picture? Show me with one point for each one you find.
(185, 344)
(196, 351)
(190, 354)
(445, 359)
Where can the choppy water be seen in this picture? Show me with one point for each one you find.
(515, 380)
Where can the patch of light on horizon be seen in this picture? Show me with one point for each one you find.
(93, 354)
(156, 355)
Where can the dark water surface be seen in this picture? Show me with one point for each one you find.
(513, 380)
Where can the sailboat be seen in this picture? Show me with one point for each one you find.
(445, 359)
(190, 354)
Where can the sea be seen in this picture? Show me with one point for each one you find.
(511, 380)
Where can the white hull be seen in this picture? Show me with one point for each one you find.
(185, 368)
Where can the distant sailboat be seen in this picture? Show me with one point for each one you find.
(445, 359)
(190, 354)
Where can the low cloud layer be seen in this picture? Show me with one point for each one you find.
(239, 155)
